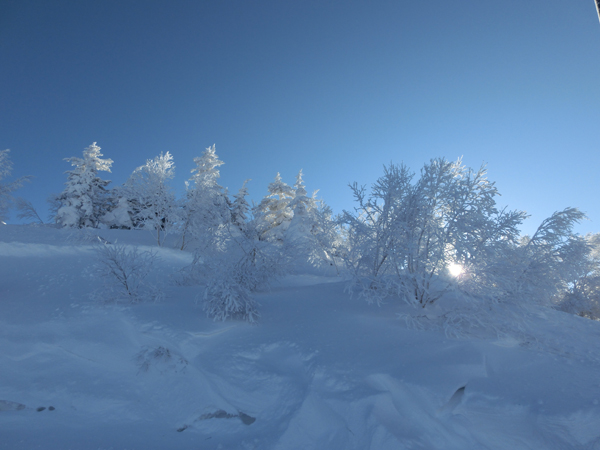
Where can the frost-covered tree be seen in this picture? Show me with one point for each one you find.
(120, 213)
(405, 235)
(206, 206)
(243, 264)
(238, 264)
(150, 197)
(300, 227)
(84, 200)
(27, 211)
(326, 242)
(224, 298)
(552, 268)
(240, 208)
(312, 233)
(582, 295)
(125, 270)
(6, 189)
(547, 262)
(273, 213)
(297, 222)
(301, 204)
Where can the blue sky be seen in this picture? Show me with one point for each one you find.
(335, 88)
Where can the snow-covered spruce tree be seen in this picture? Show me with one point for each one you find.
(206, 206)
(6, 189)
(312, 233)
(301, 204)
(403, 238)
(273, 214)
(126, 208)
(298, 231)
(84, 200)
(120, 212)
(240, 208)
(150, 197)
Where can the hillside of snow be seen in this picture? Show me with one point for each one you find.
(320, 370)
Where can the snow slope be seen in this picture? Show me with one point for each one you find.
(321, 370)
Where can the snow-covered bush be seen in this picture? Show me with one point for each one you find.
(582, 295)
(246, 265)
(544, 264)
(225, 298)
(84, 200)
(406, 234)
(256, 263)
(6, 189)
(241, 264)
(124, 270)
(536, 269)
(27, 211)
(422, 238)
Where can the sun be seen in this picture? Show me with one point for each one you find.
(455, 269)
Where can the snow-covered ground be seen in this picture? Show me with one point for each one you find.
(321, 369)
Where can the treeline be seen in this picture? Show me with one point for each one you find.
(410, 237)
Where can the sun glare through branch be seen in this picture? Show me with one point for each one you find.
(455, 269)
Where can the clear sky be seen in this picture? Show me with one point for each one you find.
(336, 88)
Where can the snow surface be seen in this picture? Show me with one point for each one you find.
(321, 369)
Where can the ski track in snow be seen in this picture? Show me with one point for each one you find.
(320, 370)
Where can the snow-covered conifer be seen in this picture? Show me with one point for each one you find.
(240, 209)
(273, 213)
(119, 215)
(301, 204)
(151, 198)
(84, 200)
(312, 232)
(206, 206)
